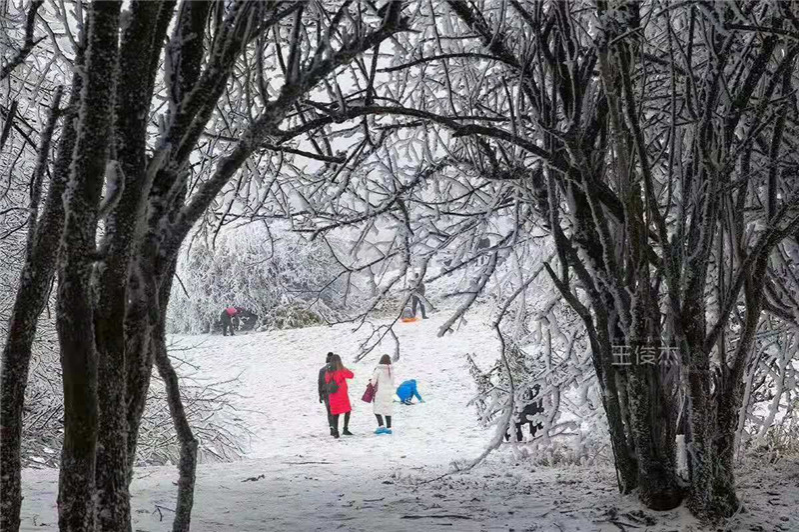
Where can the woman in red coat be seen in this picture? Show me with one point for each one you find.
(339, 401)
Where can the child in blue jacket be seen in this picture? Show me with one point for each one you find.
(407, 391)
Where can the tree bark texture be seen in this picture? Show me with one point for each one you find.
(122, 227)
(76, 495)
(142, 290)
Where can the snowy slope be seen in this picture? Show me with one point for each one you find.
(278, 371)
(303, 479)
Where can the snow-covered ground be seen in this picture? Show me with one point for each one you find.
(298, 478)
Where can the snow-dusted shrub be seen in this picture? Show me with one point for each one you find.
(209, 408)
(547, 361)
(293, 316)
(220, 433)
(44, 406)
(288, 281)
(770, 426)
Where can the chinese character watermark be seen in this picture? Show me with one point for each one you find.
(627, 355)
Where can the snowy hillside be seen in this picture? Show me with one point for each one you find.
(278, 375)
(298, 478)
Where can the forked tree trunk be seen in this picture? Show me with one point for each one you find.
(76, 495)
(142, 293)
(123, 225)
(729, 397)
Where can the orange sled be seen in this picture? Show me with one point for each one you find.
(409, 320)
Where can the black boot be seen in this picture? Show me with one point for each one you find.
(346, 431)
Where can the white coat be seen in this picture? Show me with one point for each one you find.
(383, 378)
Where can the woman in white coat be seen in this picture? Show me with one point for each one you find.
(384, 398)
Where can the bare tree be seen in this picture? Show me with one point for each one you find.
(34, 286)
(112, 298)
(45, 224)
(654, 143)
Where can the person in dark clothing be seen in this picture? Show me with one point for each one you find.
(525, 416)
(339, 398)
(417, 297)
(323, 398)
(227, 317)
(418, 300)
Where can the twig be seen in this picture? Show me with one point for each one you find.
(445, 516)
(158, 509)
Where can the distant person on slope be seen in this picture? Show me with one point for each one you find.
(323, 396)
(529, 410)
(407, 391)
(336, 381)
(227, 319)
(384, 397)
(417, 298)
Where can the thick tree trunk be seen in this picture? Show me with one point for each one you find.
(729, 396)
(44, 236)
(624, 459)
(653, 431)
(625, 462)
(123, 224)
(76, 496)
(700, 456)
(142, 292)
(724, 494)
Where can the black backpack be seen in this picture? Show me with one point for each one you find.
(331, 385)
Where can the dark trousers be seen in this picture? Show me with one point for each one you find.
(380, 420)
(418, 301)
(329, 415)
(334, 424)
(533, 429)
(227, 323)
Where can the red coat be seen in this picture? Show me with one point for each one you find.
(340, 401)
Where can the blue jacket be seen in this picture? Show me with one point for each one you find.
(407, 390)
